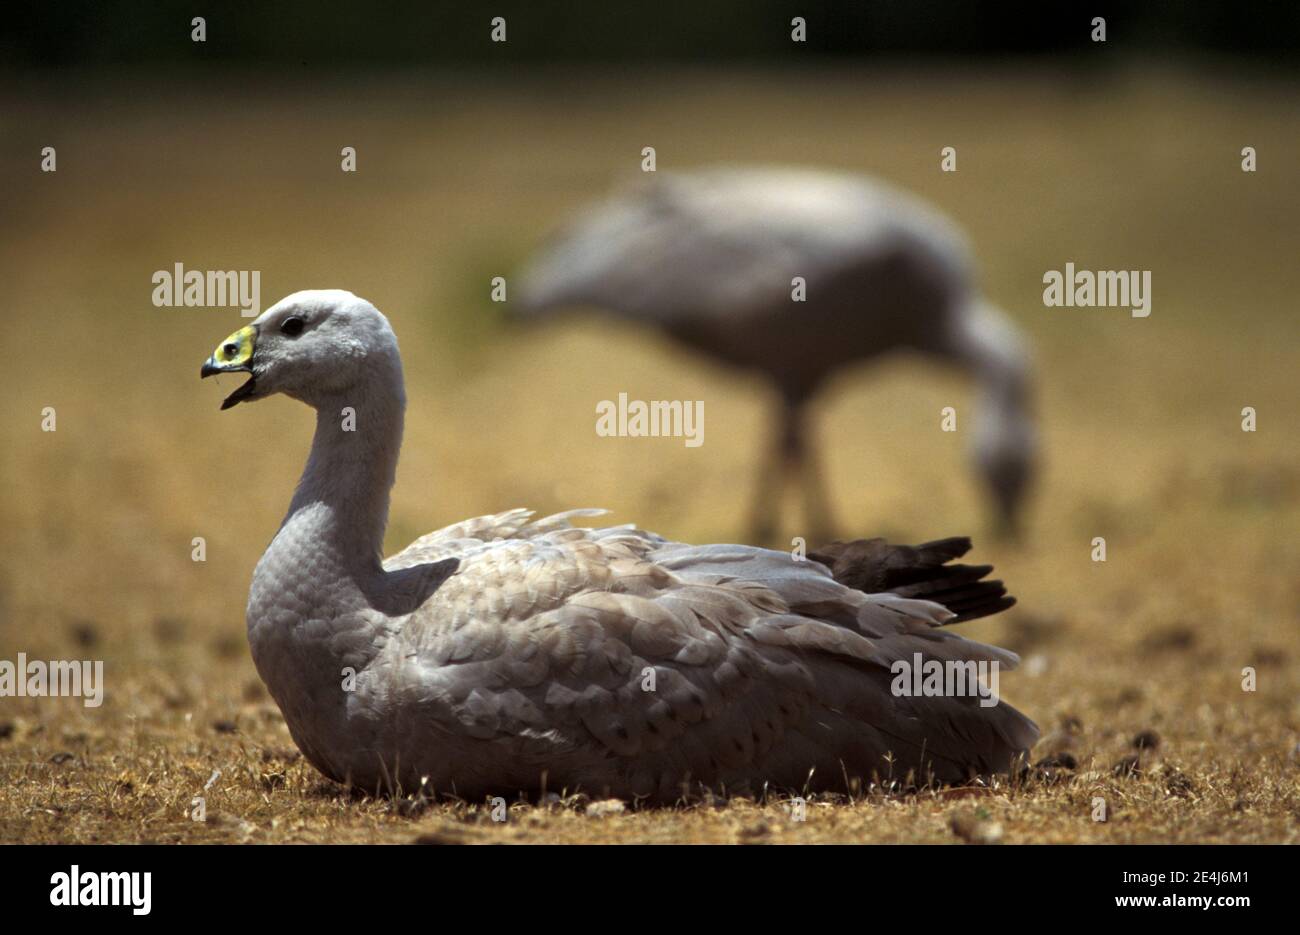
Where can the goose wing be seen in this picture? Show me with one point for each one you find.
(613, 659)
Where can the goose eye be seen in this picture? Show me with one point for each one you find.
(292, 326)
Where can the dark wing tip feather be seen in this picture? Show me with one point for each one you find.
(945, 550)
(921, 572)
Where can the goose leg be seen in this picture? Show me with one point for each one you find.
(804, 465)
(817, 512)
(765, 514)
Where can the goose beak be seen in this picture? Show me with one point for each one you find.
(234, 355)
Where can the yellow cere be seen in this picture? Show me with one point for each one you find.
(236, 349)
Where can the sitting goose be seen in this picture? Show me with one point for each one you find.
(506, 654)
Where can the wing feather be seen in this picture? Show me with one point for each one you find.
(612, 659)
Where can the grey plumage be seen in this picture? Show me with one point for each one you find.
(710, 258)
(505, 654)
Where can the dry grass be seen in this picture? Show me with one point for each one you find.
(457, 180)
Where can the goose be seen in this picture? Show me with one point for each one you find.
(508, 654)
(710, 257)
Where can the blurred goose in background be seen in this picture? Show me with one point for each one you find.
(710, 258)
(508, 654)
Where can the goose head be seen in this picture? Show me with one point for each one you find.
(1005, 445)
(313, 346)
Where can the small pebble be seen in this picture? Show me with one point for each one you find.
(605, 807)
(975, 830)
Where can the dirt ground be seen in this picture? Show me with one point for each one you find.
(458, 179)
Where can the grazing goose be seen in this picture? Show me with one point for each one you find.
(710, 258)
(508, 654)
